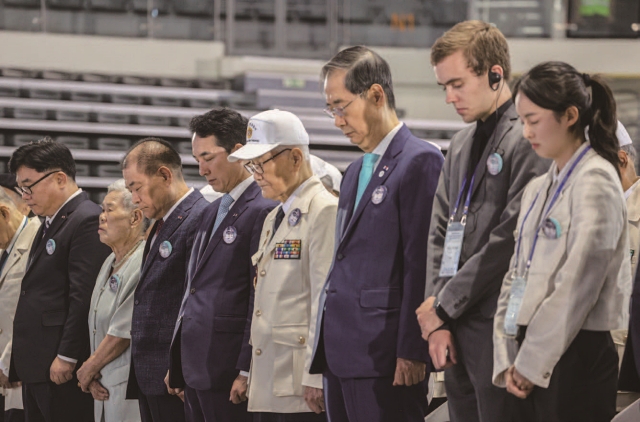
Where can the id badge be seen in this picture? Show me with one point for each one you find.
(452, 248)
(513, 308)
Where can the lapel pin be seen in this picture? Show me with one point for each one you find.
(179, 217)
(381, 173)
(165, 249)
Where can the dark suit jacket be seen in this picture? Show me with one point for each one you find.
(630, 369)
(158, 296)
(493, 213)
(52, 313)
(377, 278)
(211, 341)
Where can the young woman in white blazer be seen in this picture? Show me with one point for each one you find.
(570, 280)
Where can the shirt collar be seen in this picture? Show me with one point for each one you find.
(489, 126)
(16, 234)
(287, 204)
(237, 192)
(49, 220)
(629, 191)
(176, 204)
(386, 141)
(557, 176)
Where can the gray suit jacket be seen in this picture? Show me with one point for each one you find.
(495, 204)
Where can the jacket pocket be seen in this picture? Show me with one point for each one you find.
(288, 366)
(380, 298)
(54, 318)
(229, 324)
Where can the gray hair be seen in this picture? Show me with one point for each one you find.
(631, 152)
(303, 148)
(5, 199)
(364, 68)
(120, 187)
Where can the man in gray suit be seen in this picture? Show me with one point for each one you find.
(474, 217)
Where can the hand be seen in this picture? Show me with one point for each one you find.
(409, 372)
(173, 391)
(427, 318)
(239, 390)
(314, 398)
(98, 391)
(517, 384)
(86, 374)
(442, 350)
(4, 380)
(61, 371)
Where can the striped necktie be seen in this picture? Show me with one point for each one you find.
(223, 210)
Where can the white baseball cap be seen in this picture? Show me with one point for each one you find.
(623, 135)
(268, 130)
(328, 173)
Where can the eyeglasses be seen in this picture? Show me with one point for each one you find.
(337, 111)
(257, 167)
(27, 190)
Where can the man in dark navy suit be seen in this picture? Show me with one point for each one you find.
(210, 351)
(152, 171)
(370, 349)
(50, 333)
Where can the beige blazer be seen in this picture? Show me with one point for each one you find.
(580, 280)
(286, 301)
(10, 283)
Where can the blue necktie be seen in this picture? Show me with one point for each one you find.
(365, 175)
(223, 210)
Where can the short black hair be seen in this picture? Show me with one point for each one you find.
(149, 154)
(228, 126)
(42, 156)
(364, 68)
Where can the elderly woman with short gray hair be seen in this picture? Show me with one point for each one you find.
(122, 227)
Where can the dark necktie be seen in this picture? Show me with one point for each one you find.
(3, 259)
(47, 223)
(154, 231)
(279, 218)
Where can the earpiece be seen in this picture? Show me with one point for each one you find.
(494, 78)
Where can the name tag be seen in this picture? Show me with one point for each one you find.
(452, 249)
(513, 309)
(288, 249)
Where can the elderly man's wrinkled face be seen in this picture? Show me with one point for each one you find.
(277, 171)
(147, 192)
(6, 233)
(115, 220)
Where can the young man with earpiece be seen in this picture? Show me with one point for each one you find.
(474, 217)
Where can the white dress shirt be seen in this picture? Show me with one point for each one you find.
(384, 144)
(178, 202)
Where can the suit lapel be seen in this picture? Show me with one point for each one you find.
(169, 227)
(232, 216)
(381, 173)
(504, 126)
(348, 196)
(56, 224)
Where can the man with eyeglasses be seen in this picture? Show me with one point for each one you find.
(293, 258)
(370, 348)
(210, 350)
(50, 335)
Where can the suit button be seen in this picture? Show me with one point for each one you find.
(258, 312)
(136, 302)
(301, 340)
(547, 375)
(340, 257)
(192, 291)
(263, 273)
(258, 352)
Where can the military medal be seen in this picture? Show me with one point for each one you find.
(494, 164)
(379, 194)
(165, 249)
(294, 217)
(229, 235)
(51, 246)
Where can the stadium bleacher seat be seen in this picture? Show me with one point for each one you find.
(24, 138)
(140, 6)
(194, 7)
(83, 170)
(120, 119)
(31, 114)
(108, 170)
(74, 142)
(86, 97)
(109, 5)
(22, 3)
(72, 116)
(112, 144)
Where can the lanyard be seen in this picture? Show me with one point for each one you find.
(551, 203)
(465, 211)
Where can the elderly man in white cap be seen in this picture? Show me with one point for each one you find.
(328, 174)
(292, 262)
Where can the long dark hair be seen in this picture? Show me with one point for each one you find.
(557, 86)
